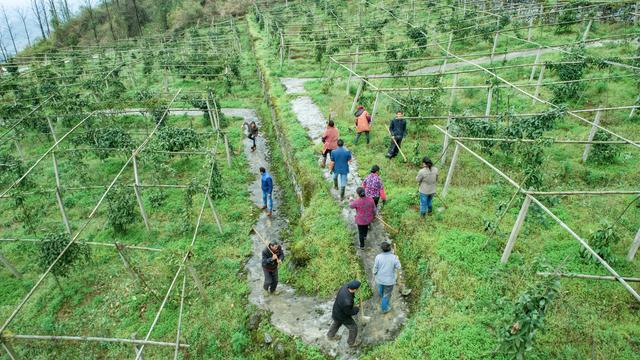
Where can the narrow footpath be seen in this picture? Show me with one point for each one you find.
(381, 327)
(305, 317)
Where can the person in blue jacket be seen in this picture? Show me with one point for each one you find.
(340, 159)
(267, 190)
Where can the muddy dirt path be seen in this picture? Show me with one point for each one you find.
(381, 327)
(306, 317)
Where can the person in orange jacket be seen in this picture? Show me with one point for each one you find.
(362, 122)
(330, 140)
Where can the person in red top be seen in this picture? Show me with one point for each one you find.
(330, 140)
(365, 213)
(362, 122)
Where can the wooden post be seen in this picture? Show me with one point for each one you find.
(452, 166)
(19, 149)
(165, 80)
(444, 63)
(137, 349)
(226, 148)
(136, 275)
(215, 214)
(281, 49)
(535, 64)
(8, 349)
(354, 66)
(375, 105)
(445, 142)
(63, 213)
(592, 133)
(633, 111)
(487, 110)
(211, 120)
(215, 115)
(10, 266)
(516, 229)
(199, 285)
(539, 84)
(529, 31)
(634, 247)
(358, 93)
(495, 44)
(586, 31)
(136, 189)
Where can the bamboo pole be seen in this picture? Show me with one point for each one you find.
(199, 285)
(136, 347)
(633, 249)
(515, 230)
(444, 62)
(445, 142)
(493, 49)
(226, 148)
(635, 108)
(177, 350)
(136, 190)
(535, 64)
(9, 350)
(375, 106)
(452, 166)
(215, 214)
(587, 276)
(133, 247)
(586, 30)
(592, 133)
(12, 269)
(539, 84)
(487, 110)
(357, 97)
(602, 192)
(89, 338)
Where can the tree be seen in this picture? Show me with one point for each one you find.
(9, 27)
(23, 18)
(105, 3)
(92, 21)
(121, 208)
(43, 6)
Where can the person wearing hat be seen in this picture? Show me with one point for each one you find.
(343, 312)
(373, 186)
(427, 178)
(384, 269)
(365, 213)
(272, 257)
(362, 122)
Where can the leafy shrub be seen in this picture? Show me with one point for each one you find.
(528, 316)
(603, 153)
(50, 248)
(216, 188)
(111, 138)
(418, 35)
(177, 139)
(600, 241)
(121, 208)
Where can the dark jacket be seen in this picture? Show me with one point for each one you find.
(343, 308)
(267, 259)
(398, 127)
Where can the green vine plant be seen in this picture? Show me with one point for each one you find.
(601, 241)
(52, 244)
(530, 157)
(187, 208)
(604, 153)
(114, 138)
(571, 68)
(26, 215)
(396, 59)
(177, 139)
(527, 317)
(121, 208)
(216, 188)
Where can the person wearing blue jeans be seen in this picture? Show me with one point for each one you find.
(427, 178)
(267, 190)
(384, 268)
(340, 159)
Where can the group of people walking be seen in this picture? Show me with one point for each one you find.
(366, 203)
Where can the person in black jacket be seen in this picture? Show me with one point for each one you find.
(398, 129)
(343, 310)
(272, 257)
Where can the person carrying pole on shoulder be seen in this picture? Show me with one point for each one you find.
(340, 159)
(252, 133)
(343, 312)
(272, 257)
(330, 140)
(384, 269)
(365, 213)
(373, 186)
(267, 190)
(362, 122)
(397, 130)
(427, 178)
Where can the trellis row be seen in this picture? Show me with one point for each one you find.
(528, 197)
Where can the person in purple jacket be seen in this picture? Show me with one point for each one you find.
(365, 212)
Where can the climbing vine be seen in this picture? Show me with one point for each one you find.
(177, 139)
(52, 244)
(121, 208)
(603, 153)
(601, 241)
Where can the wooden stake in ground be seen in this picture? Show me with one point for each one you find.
(136, 189)
(452, 166)
(10, 267)
(357, 97)
(516, 229)
(592, 133)
(634, 247)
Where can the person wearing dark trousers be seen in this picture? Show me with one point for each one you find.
(365, 212)
(398, 129)
(266, 184)
(343, 311)
(272, 257)
(252, 133)
(339, 167)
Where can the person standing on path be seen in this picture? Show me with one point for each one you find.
(252, 133)
(398, 129)
(330, 140)
(362, 122)
(427, 178)
(340, 159)
(343, 312)
(373, 186)
(365, 213)
(267, 190)
(272, 257)
(384, 270)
